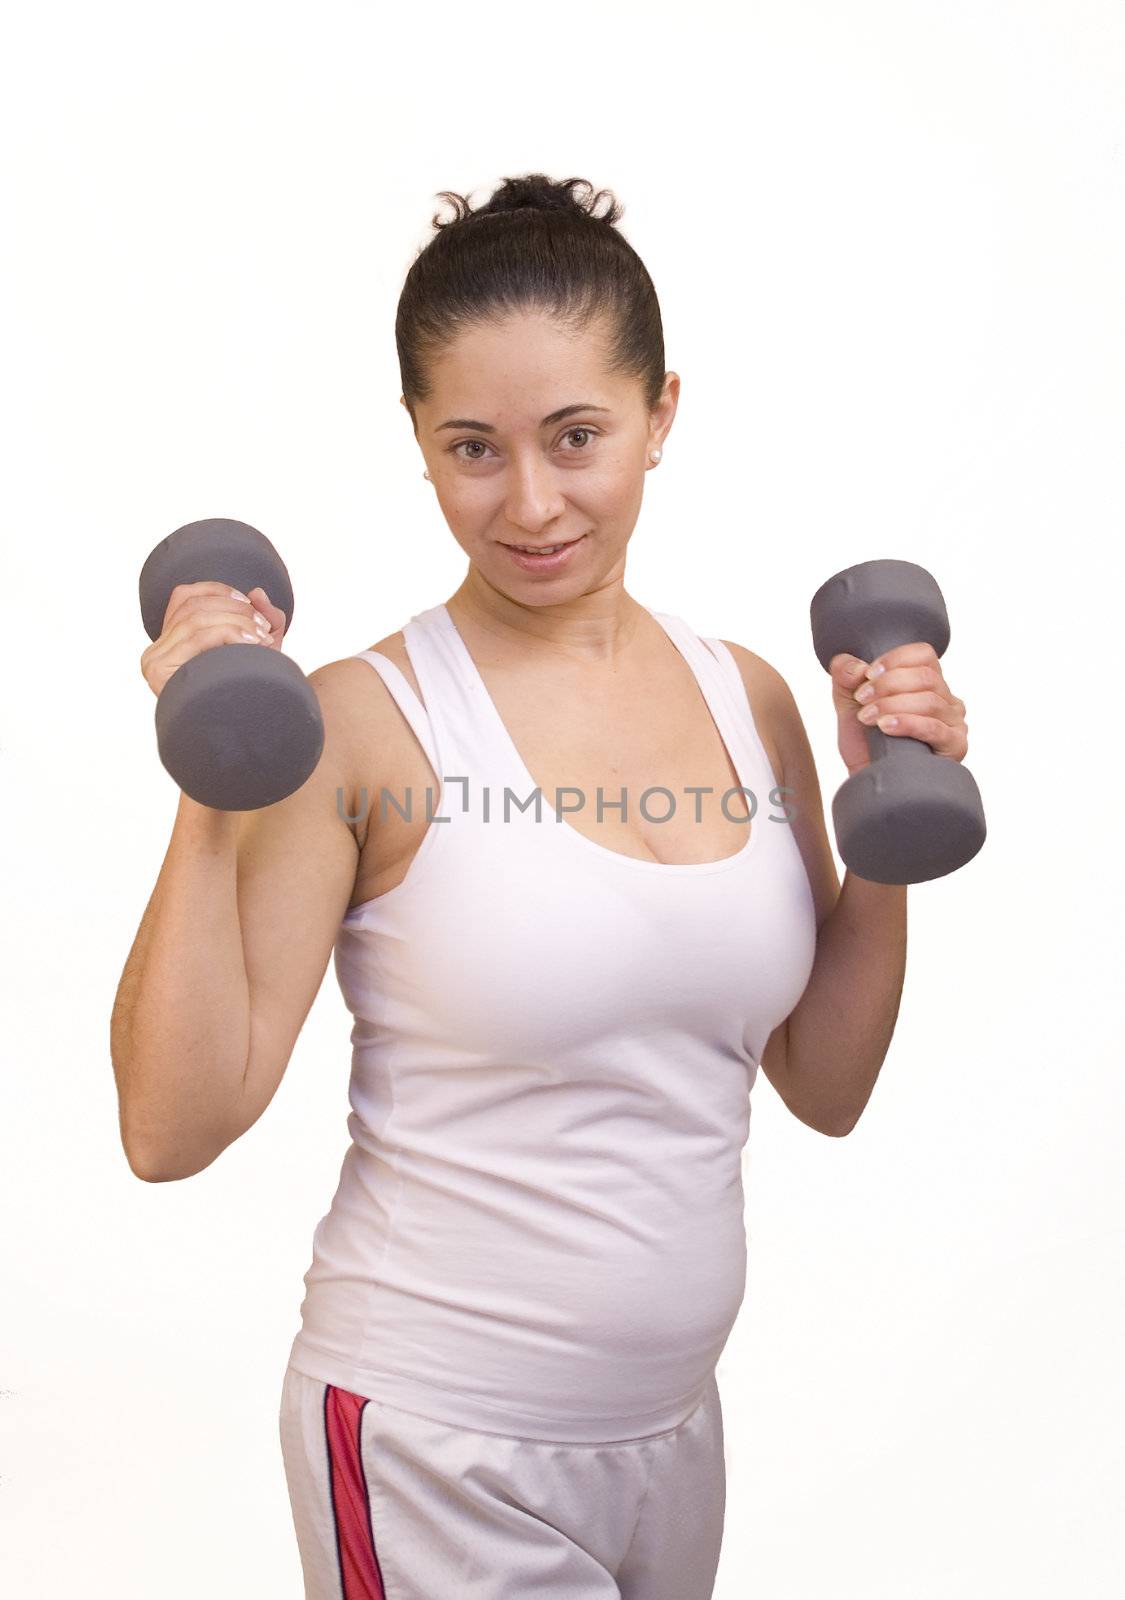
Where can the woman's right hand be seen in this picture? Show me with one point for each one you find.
(202, 615)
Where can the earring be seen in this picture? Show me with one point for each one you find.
(425, 475)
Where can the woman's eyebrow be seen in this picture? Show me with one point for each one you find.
(486, 427)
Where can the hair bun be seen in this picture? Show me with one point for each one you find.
(535, 191)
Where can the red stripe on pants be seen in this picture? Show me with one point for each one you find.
(359, 1565)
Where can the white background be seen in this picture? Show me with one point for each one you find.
(889, 247)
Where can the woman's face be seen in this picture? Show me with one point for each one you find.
(506, 476)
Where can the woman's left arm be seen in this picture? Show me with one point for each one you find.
(841, 1028)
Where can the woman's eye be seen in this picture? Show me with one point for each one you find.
(464, 443)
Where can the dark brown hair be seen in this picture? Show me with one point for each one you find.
(533, 246)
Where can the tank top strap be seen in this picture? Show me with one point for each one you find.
(740, 699)
(729, 668)
(469, 734)
(725, 692)
(398, 685)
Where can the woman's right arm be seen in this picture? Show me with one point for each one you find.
(229, 957)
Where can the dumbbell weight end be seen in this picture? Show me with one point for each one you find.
(239, 727)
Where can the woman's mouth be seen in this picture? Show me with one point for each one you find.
(543, 558)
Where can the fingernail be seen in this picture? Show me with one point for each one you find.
(235, 595)
(873, 672)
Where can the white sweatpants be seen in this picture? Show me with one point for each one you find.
(389, 1505)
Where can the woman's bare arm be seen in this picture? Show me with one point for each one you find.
(229, 956)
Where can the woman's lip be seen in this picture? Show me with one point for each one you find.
(539, 561)
(537, 549)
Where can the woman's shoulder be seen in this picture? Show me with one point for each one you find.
(356, 677)
(776, 714)
(770, 697)
(371, 720)
(755, 669)
(394, 648)
(782, 730)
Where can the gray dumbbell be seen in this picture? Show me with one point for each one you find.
(911, 815)
(238, 726)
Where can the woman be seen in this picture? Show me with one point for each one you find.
(504, 1379)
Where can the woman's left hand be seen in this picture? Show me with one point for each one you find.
(911, 689)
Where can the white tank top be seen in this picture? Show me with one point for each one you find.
(538, 1227)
